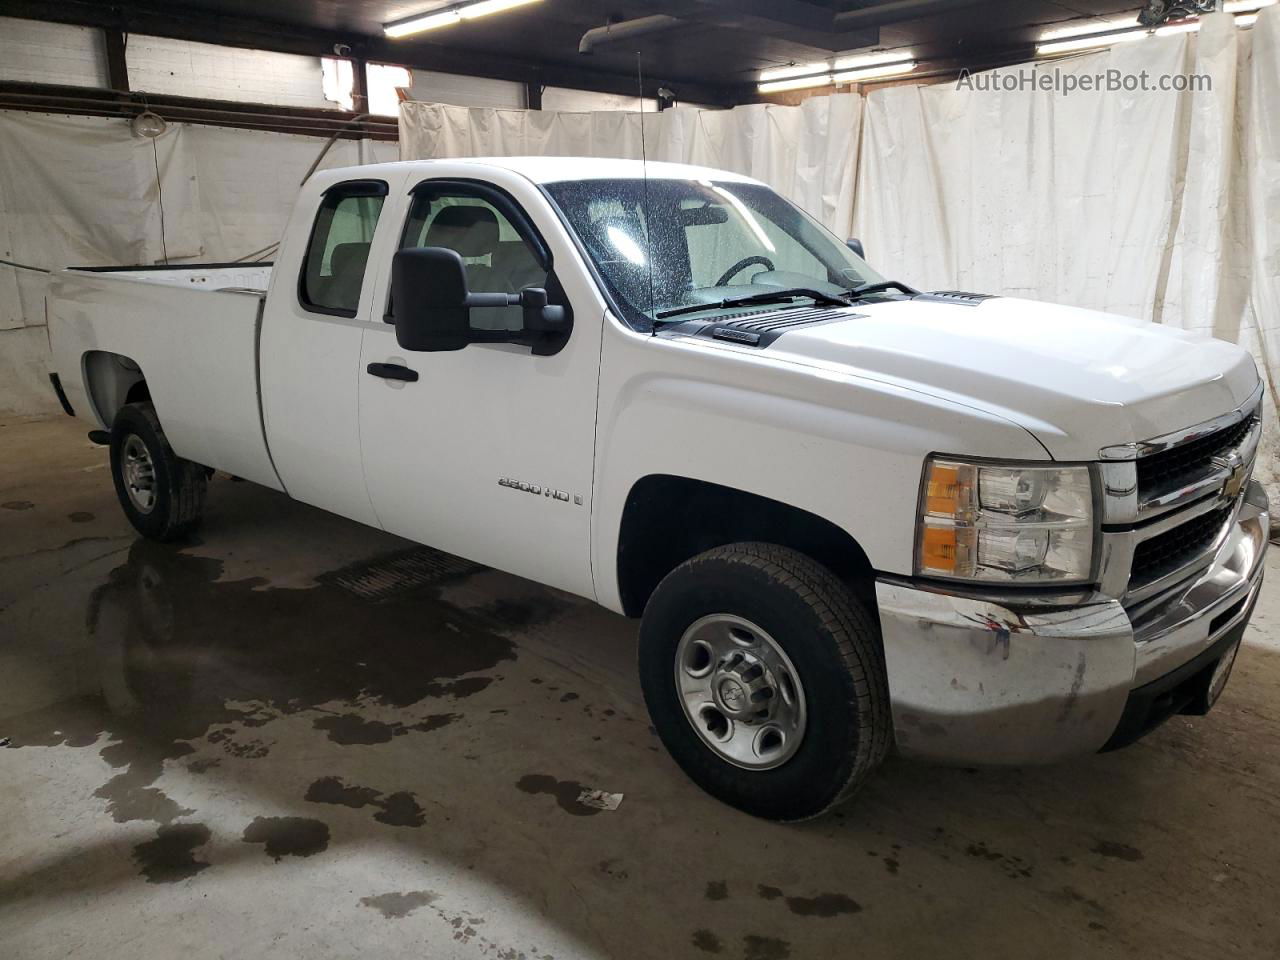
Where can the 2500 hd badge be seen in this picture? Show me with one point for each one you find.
(538, 490)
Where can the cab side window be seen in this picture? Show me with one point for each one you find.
(498, 260)
(334, 266)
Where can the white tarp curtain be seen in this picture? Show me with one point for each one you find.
(1163, 206)
(83, 191)
(1157, 205)
(807, 153)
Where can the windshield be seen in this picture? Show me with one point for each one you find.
(708, 241)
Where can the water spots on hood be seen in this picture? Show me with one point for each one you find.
(16, 505)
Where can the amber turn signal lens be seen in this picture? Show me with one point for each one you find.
(943, 490)
(938, 549)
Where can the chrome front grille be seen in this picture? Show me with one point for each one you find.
(1188, 462)
(1168, 504)
(1171, 551)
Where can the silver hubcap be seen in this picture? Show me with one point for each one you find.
(740, 692)
(139, 474)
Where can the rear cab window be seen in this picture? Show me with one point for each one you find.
(333, 268)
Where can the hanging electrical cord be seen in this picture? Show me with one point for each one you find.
(256, 254)
(155, 155)
(359, 118)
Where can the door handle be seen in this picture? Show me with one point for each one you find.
(393, 371)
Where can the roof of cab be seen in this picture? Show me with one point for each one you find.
(558, 169)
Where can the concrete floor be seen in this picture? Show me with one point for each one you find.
(304, 737)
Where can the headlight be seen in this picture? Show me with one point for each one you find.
(1026, 524)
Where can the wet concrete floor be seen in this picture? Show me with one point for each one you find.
(302, 737)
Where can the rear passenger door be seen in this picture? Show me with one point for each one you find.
(311, 350)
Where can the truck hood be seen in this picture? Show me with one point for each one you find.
(1079, 380)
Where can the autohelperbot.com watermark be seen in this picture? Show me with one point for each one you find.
(1065, 83)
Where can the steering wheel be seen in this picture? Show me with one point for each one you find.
(742, 265)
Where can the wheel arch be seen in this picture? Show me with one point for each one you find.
(111, 380)
(668, 519)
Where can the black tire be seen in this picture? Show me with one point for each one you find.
(178, 487)
(830, 637)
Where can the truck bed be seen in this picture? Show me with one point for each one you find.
(237, 277)
(192, 330)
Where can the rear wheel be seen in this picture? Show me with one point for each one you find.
(161, 494)
(764, 678)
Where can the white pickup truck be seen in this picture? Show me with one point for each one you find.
(853, 516)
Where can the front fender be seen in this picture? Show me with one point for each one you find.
(846, 448)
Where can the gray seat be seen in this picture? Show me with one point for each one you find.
(515, 266)
(346, 275)
(473, 233)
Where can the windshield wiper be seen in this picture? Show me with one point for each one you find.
(773, 296)
(870, 289)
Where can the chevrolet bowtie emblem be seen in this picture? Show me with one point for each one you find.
(1237, 474)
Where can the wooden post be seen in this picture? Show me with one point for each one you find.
(117, 66)
(360, 86)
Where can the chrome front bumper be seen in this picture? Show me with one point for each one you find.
(978, 679)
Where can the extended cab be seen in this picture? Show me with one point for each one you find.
(852, 515)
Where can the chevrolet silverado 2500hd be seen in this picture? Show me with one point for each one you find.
(853, 516)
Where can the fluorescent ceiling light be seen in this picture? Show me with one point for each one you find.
(872, 59)
(1089, 27)
(443, 18)
(1089, 34)
(800, 83)
(1089, 43)
(847, 76)
(798, 70)
(428, 22)
(815, 72)
(889, 70)
(486, 7)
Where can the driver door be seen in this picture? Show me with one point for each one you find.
(487, 451)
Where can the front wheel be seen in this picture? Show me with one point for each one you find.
(764, 678)
(160, 493)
